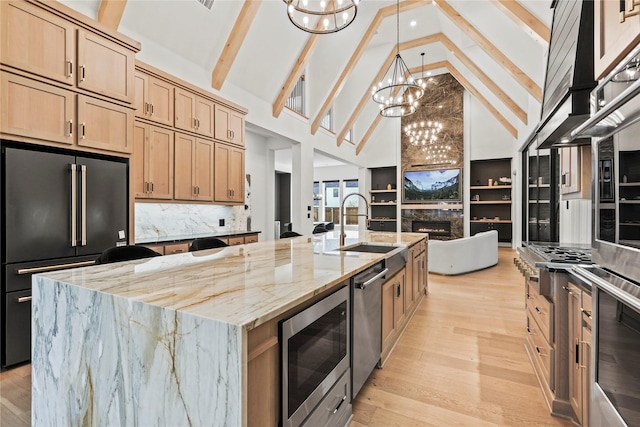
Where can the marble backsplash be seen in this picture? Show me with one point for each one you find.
(171, 221)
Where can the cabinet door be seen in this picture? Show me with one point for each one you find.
(203, 165)
(184, 110)
(222, 123)
(222, 193)
(140, 94)
(613, 39)
(161, 102)
(574, 332)
(236, 175)
(409, 275)
(183, 158)
(388, 325)
(204, 117)
(569, 170)
(140, 160)
(585, 370)
(398, 303)
(37, 41)
(160, 153)
(104, 125)
(250, 238)
(105, 67)
(417, 277)
(236, 128)
(37, 110)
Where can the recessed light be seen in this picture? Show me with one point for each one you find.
(413, 23)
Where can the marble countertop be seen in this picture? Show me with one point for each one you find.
(191, 236)
(244, 285)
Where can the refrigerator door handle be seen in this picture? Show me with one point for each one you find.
(83, 214)
(74, 206)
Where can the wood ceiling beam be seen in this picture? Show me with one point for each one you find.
(485, 79)
(466, 84)
(495, 53)
(525, 20)
(377, 20)
(234, 42)
(110, 12)
(439, 37)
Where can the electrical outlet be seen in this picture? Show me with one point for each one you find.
(221, 222)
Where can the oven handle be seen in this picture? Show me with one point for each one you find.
(364, 285)
(616, 292)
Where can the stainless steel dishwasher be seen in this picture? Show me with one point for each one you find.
(366, 329)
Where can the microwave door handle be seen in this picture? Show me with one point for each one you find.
(74, 204)
(83, 213)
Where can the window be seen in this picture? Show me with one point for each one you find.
(349, 136)
(351, 205)
(296, 99)
(332, 201)
(317, 197)
(327, 120)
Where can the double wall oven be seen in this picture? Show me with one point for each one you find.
(615, 129)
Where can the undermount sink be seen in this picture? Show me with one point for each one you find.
(367, 247)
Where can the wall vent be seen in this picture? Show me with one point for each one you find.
(206, 3)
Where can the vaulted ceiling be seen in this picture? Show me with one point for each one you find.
(495, 48)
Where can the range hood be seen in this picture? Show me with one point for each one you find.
(569, 76)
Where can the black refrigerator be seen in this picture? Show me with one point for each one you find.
(60, 209)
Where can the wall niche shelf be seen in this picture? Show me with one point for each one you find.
(383, 201)
(490, 203)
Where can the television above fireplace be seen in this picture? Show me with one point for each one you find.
(432, 185)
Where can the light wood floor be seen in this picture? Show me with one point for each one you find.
(461, 361)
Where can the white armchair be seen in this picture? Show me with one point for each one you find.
(459, 256)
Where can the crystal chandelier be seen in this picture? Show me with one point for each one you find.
(397, 93)
(423, 132)
(321, 16)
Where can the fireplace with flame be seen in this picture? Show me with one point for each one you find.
(434, 228)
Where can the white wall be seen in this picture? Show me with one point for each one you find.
(259, 165)
(332, 173)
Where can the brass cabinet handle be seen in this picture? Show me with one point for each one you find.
(628, 9)
(152, 187)
(70, 129)
(83, 219)
(25, 299)
(146, 108)
(151, 105)
(82, 127)
(33, 270)
(82, 73)
(586, 313)
(540, 352)
(70, 69)
(73, 205)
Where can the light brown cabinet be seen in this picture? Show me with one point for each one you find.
(616, 33)
(229, 174)
(153, 162)
(575, 172)
(250, 238)
(176, 248)
(104, 125)
(193, 168)
(153, 98)
(229, 125)
(393, 311)
(579, 324)
(193, 113)
(104, 67)
(37, 41)
(37, 110)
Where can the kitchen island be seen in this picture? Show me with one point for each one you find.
(174, 340)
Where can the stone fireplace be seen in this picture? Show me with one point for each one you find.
(441, 224)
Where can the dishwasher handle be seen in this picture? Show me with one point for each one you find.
(363, 285)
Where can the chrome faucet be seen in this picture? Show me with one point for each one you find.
(343, 235)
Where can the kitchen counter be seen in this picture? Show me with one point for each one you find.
(191, 236)
(166, 338)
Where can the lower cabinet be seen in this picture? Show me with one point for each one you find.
(176, 248)
(579, 325)
(503, 228)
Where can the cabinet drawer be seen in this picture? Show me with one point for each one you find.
(541, 309)
(540, 350)
(233, 241)
(157, 248)
(252, 238)
(176, 248)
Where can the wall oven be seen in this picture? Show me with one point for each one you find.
(315, 363)
(615, 128)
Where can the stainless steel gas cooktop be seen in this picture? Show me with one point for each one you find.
(562, 254)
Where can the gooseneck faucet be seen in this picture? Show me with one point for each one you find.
(343, 235)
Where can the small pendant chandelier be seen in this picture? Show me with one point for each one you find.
(321, 16)
(397, 93)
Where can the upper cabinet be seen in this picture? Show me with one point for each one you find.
(193, 113)
(153, 98)
(616, 32)
(575, 172)
(229, 174)
(193, 168)
(229, 125)
(39, 42)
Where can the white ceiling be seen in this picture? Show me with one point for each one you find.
(272, 46)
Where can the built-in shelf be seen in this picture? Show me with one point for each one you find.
(501, 221)
(630, 202)
(383, 210)
(491, 202)
(629, 184)
(490, 187)
(630, 224)
(383, 191)
(539, 185)
(382, 219)
(432, 206)
(538, 201)
(383, 204)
